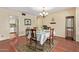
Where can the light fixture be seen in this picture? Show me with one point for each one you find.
(44, 13)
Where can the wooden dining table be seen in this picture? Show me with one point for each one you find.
(42, 36)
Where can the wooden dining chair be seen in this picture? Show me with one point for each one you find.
(27, 33)
(51, 37)
(33, 37)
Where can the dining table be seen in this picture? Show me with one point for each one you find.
(42, 36)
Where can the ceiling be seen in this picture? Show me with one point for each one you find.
(36, 10)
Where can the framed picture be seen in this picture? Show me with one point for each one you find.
(27, 21)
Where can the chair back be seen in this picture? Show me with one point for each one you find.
(33, 33)
(27, 32)
(51, 33)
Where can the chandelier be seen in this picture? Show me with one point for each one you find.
(44, 13)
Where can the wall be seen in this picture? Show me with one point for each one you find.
(77, 24)
(22, 27)
(4, 22)
(59, 18)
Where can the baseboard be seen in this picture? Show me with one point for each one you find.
(60, 37)
(21, 35)
(5, 40)
(2, 39)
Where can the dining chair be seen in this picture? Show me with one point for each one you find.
(27, 33)
(33, 38)
(51, 36)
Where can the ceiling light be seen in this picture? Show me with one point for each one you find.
(44, 12)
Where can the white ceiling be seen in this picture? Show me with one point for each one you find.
(36, 10)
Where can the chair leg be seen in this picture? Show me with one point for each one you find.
(43, 47)
(52, 41)
(35, 45)
(49, 43)
(30, 43)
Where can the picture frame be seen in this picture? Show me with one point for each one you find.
(27, 21)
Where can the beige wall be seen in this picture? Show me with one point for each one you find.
(4, 22)
(77, 24)
(22, 27)
(59, 17)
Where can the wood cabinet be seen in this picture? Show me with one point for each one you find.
(69, 27)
